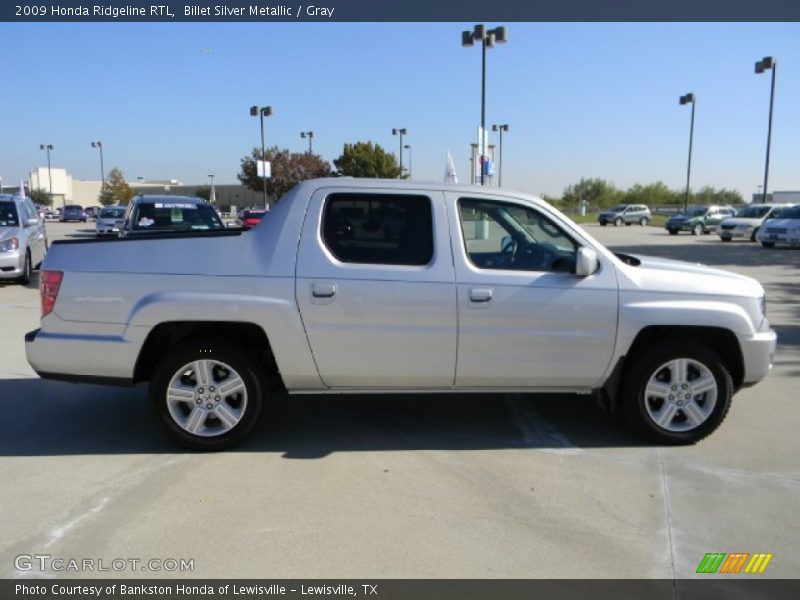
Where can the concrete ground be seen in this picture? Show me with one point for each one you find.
(419, 486)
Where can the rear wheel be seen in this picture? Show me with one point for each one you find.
(207, 395)
(725, 239)
(698, 229)
(643, 221)
(673, 231)
(768, 244)
(676, 393)
(753, 235)
(618, 222)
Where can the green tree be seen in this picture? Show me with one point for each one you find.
(710, 195)
(652, 194)
(204, 192)
(287, 169)
(117, 190)
(597, 192)
(365, 159)
(40, 196)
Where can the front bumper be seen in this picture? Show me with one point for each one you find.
(780, 238)
(11, 264)
(758, 352)
(736, 233)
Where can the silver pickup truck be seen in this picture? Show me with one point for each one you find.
(356, 286)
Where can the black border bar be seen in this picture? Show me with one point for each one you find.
(401, 10)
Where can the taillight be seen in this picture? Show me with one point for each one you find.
(49, 283)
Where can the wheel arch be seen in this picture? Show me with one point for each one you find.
(166, 336)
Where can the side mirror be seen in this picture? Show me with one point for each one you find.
(32, 222)
(586, 262)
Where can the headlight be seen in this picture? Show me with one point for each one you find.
(762, 304)
(9, 245)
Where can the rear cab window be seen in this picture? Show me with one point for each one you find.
(175, 216)
(389, 229)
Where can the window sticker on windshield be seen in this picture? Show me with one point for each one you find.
(176, 215)
(145, 222)
(174, 205)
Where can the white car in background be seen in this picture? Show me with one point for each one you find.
(748, 221)
(23, 240)
(783, 230)
(109, 220)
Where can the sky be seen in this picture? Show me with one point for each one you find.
(171, 100)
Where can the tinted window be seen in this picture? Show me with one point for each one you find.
(175, 216)
(8, 215)
(499, 235)
(791, 213)
(753, 212)
(379, 228)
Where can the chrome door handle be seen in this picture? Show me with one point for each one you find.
(480, 294)
(323, 290)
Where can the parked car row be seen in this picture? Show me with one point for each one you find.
(23, 239)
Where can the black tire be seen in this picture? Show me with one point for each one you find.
(643, 221)
(725, 239)
(27, 268)
(603, 223)
(618, 222)
(648, 364)
(698, 229)
(628, 223)
(673, 231)
(768, 244)
(251, 405)
(753, 235)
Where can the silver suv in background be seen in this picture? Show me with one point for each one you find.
(625, 213)
(23, 240)
(109, 220)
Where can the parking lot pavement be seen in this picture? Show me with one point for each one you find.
(415, 486)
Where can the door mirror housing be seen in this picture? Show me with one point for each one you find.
(586, 262)
(32, 222)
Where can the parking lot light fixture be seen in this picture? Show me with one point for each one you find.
(48, 148)
(310, 136)
(488, 39)
(262, 111)
(688, 99)
(768, 63)
(401, 133)
(99, 145)
(501, 129)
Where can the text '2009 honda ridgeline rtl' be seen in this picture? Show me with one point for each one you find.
(384, 286)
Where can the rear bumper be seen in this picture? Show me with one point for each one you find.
(81, 358)
(758, 352)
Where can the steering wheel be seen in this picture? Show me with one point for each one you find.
(509, 252)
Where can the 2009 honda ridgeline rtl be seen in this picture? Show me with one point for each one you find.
(470, 289)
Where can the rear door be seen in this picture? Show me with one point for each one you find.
(376, 290)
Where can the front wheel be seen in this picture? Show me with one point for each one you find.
(677, 393)
(603, 223)
(768, 244)
(27, 269)
(207, 395)
(618, 222)
(753, 235)
(673, 231)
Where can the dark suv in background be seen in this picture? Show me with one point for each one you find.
(73, 212)
(699, 219)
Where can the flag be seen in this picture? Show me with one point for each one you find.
(450, 170)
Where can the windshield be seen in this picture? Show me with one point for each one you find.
(112, 213)
(175, 216)
(753, 212)
(73, 207)
(8, 215)
(698, 212)
(619, 208)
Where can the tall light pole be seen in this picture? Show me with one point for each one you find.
(310, 136)
(1, 185)
(212, 196)
(488, 38)
(401, 133)
(408, 147)
(99, 145)
(262, 111)
(766, 64)
(49, 147)
(501, 129)
(688, 99)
